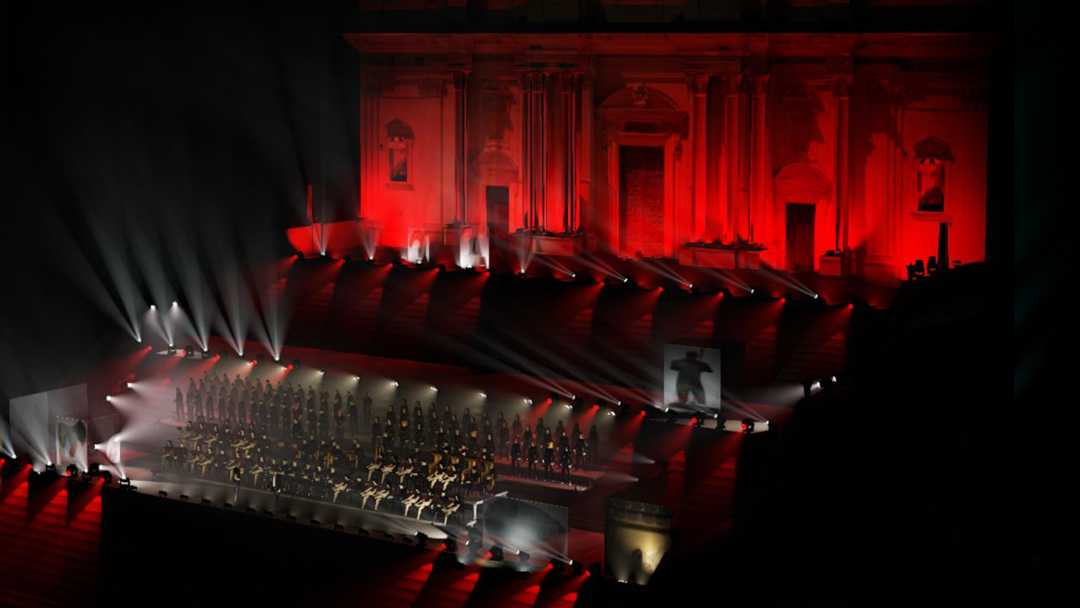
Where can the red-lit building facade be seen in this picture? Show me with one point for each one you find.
(833, 153)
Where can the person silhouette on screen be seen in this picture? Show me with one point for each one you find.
(688, 382)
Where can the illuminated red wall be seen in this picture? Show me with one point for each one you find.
(830, 121)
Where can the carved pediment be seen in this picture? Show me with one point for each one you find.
(637, 96)
(639, 108)
(495, 164)
(802, 182)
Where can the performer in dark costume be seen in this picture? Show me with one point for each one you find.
(688, 382)
(180, 404)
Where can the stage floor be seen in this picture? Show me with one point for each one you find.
(653, 469)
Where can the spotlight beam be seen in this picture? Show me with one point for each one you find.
(657, 268)
(787, 279)
(600, 266)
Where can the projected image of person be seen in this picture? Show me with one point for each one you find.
(688, 383)
(71, 441)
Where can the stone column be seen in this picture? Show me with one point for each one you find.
(843, 203)
(572, 151)
(526, 131)
(461, 146)
(760, 162)
(534, 149)
(369, 144)
(699, 87)
(730, 154)
(583, 173)
(558, 100)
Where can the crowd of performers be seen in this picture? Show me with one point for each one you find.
(290, 440)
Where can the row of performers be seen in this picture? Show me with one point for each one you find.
(283, 410)
(395, 481)
(513, 441)
(280, 413)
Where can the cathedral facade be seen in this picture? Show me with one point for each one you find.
(842, 154)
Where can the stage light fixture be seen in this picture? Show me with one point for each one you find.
(625, 279)
(483, 395)
(174, 304)
(129, 385)
(833, 379)
(751, 292)
(152, 307)
(747, 426)
(815, 296)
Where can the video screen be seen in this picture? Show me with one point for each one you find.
(691, 377)
(51, 427)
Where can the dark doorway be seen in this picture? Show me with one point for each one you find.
(800, 237)
(498, 216)
(641, 200)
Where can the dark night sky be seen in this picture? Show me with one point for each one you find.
(204, 129)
